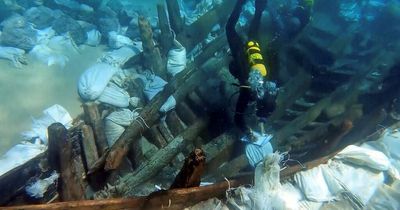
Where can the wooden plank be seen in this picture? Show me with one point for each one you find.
(163, 157)
(173, 199)
(166, 38)
(175, 17)
(93, 118)
(15, 180)
(89, 146)
(175, 125)
(67, 153)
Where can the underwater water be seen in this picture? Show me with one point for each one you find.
(28, 90)
(225, 91)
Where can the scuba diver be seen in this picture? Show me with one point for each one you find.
(248, 67)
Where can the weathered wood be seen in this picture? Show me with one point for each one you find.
(173, 199)
(151, 54)
(175, 125)
(198, 31)
(166, 39)
(155, 137)
(231, 168)
(192, 170)
(219, 151)
(72, 184)
(14, 181)
(175, 17)
(186, 113)
(293, 89)
(163, 157)
(93, 118)
(181, 84)
(89, 147)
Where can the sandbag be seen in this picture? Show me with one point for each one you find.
(17, 32)
(53, 114)
(116, 122)
(313, 184)
(361, 182)
(114, 95)
(364, 157)
(94, 80)
(256, 151)
(49, 56)
(15, 55)
(119, 57)
(44, 36)
(152, 85)
(176, 59)
(18, 155)
(93, 38)
(168, 105)
(116, 40)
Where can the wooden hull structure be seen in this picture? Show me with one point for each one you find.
(319, 112)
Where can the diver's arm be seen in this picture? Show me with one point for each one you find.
(234, 41)
(255, 23)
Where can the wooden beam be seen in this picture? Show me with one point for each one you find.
(191, 171)
(173, 199)
(181, 84)
(162, 158)
(89, 147)
(15, 180)
(166, 39)
(93, 118)
(198, 31)
(72, 184)
(152, 56)
(175, 17)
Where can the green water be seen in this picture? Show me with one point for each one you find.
(26, 92)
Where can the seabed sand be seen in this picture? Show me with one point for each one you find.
(26, 92)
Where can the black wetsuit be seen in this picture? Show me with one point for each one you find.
(239, 66)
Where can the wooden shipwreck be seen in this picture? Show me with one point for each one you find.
(320, 109)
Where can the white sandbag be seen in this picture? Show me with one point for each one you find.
(116, 122)
(267, 184)
(257, 150)
(364, 157)
(114, 95)
(93, 38)
(312, 183)
(152, 85)
(63, 44)
(53, 114)
(168, 105)
(176, 59)
(359, 181)
(38, 188)
(94, 80)
(119, 57)
(59, 114)
(16, 55)
(116, 41)
(134, 101)
(44, 36)
(386, 197)
(290, 196)
(18, 155)
(48, 56)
